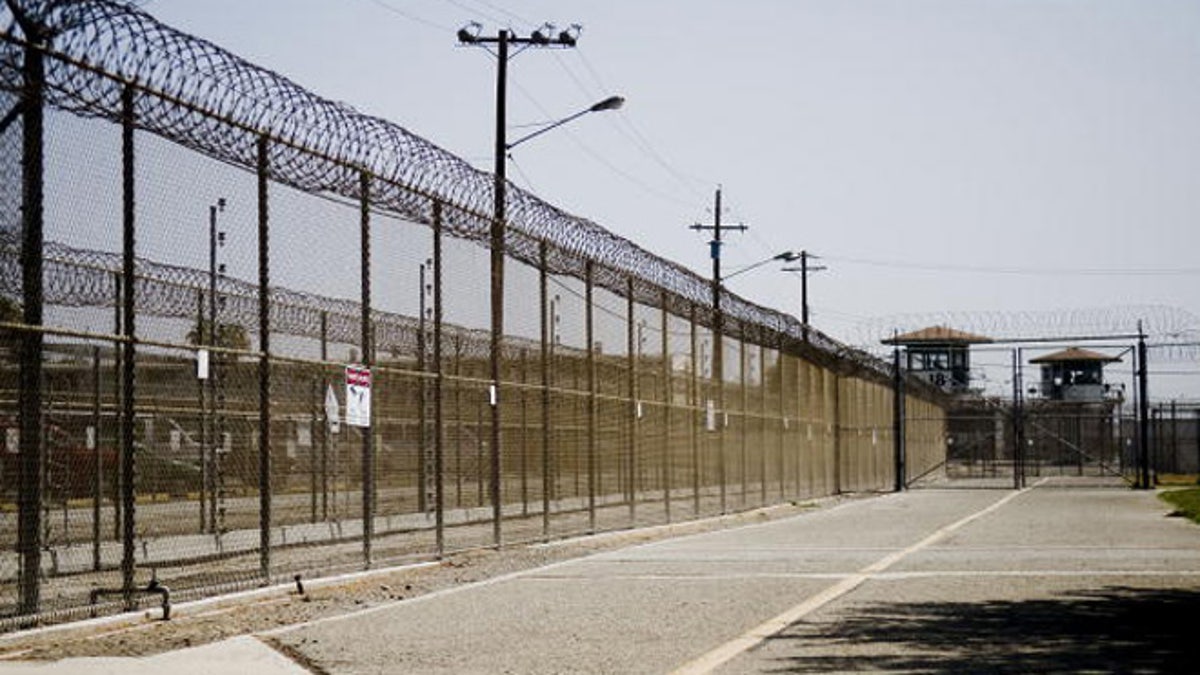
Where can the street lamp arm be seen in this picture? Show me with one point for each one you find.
(786, 256)
(610, 103)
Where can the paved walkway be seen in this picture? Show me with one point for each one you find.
(934, 581)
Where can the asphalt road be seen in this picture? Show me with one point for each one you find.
(1049, 579)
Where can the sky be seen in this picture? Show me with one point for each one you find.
(1008, 160)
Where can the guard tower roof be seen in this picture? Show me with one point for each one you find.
(937, 335)
(1075, 354)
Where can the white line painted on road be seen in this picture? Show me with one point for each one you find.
(884, 576)
(715, 658)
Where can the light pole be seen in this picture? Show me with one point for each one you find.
(610, 103)
(805, 269)
(503, 39)
(539, 38)
(786, 256)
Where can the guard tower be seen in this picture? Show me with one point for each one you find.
(1074, 374)
(940, 356)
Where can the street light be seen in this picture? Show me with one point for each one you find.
(610, 103)
(804, 269)
(786, 256)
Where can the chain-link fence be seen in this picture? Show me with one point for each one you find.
(244, 337)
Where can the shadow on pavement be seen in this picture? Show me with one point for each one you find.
(1117, 629)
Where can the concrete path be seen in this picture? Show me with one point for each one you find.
(933, 581)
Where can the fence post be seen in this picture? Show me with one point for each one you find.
(201, 399)
(544, 325)
(898, 422)
(668, 396)
(696, 410)
(589, 272)
(439, 489)
(98, 469)
(1143, 413)
(264, 362)
(368, 433)
(745, 426)
(783, 414)
(30, 444)
(634, 404)
(118, 398)
(128, 361)
(325, 426)
(422, 393)
(524, 445)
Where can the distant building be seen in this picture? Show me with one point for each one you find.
(1074, 374)
(940, 356)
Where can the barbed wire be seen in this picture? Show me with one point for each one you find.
(1161, 323)
(195, 94)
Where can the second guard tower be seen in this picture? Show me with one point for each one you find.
(1074, 374)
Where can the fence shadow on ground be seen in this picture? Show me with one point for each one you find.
(1115, 629)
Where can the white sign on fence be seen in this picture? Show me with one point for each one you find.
(332, 410)
(358, 396)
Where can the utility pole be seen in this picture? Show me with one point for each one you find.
(805, 269)
(503, 39)
(714, 246)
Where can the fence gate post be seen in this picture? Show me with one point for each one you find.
(898, 425)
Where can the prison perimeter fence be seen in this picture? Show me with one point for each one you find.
(245, 334)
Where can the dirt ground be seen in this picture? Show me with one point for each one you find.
(203, 622)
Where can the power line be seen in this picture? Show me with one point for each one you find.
(474, 11)
(626, 128)
(1030, 271)
(410, 16)
(633, 180)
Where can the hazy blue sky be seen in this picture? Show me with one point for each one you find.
(897, 138)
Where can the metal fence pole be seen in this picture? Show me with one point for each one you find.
(31, 375)
(589, 273)
(837, 432)
(694, 391)
(782, 446)
(422, 393)
(98, 469)
(1143, 414)
(368, 432)
(439, 474)
(458, 422)
(634, 405)
(327, 422)
(128, 361)
(898, 422)
(544, 325)
(264, 362)
(118, 323)
(745, 429)
(201, 399)
(524, 458)
(668, 396)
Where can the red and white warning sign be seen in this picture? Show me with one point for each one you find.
(358, 396)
